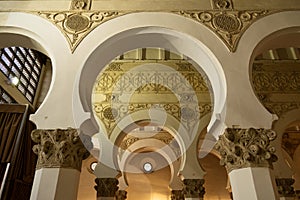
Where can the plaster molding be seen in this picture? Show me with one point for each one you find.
(241, 148)
(59, 148)
(193, 188)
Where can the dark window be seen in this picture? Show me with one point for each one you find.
(26, 65)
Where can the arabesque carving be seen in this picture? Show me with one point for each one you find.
(285, 188)
(177, 195)
(229, 25)
(163, 136)
(106, 187)
(59, 148)
(193, 188)
(183, 91)
(277, 85)
(241, 148)
(76, 25)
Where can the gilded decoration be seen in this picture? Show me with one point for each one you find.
(177, 195)
(193, 188)
(241, 148)
(77, 24)
(285, 187)
(175, 88)
(59, 148)
(106, 187)
(229, 25)
(277, 85)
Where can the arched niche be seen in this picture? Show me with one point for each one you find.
(157, 34)
(243, 106)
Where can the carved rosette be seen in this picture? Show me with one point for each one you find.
(241, 148)
(59, 148)
(229, 25)
(177, 195)
(106, 187)
(193, 188)
(285, 188)
(121, 195)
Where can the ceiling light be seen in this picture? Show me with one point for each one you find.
(147, 167)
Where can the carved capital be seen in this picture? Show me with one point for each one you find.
(241, 148)
(59, 148)
(106, 187)
(177, 195)
(121, 195)
(193, 188)
(285, 188)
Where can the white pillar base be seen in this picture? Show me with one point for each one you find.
(55, 183)
(253, 184)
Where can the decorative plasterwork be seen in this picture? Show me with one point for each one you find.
(106, 187)
(80, 4)
(285, 188)
(177, 89)
(163, 136)
(241, 148)
(193, 188)
(277, 85)
(229, 25)
(76, 25)
(222, 4)
(59, 148)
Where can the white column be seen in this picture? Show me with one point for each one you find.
(248, 156)
(60, 154)
(55, 183)
(252, 184)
